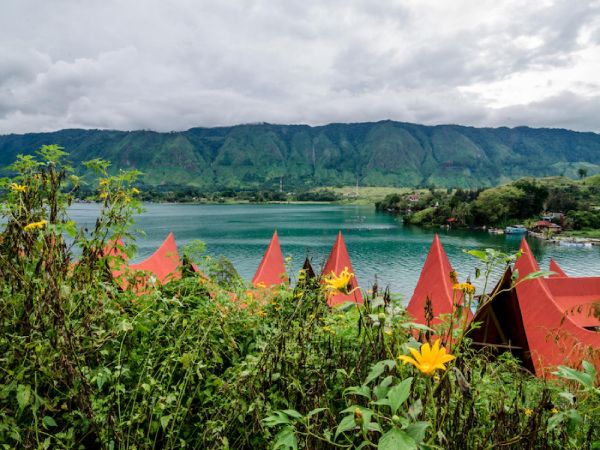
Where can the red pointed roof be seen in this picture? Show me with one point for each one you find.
(556, 268)
(164, 263)
(271, 270)
(434, 284)
(337, 261)
(554, 337)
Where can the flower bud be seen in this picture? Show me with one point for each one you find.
(381, 317)
(358, 417)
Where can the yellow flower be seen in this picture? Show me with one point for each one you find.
(467, 288)
(261, 313)
(35, 225)
(103, 182)
(261, 285)
(135, 191)
(528, 412)
(339, 283)
(554, 411)
(18, 187)
(429, 358)
(103, 195)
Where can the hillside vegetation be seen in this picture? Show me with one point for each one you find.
(92, 360)
(386, 153)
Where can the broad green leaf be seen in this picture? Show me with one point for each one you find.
(382, 388)
(362, 391)
(479, 254)
(49, 421)
(378, 369)
(277, 418)
(23, 395)
(584, 378)
(286, 439)
(399, 393)
(417, 431)
(164, 421)
(292, 413)
(346, 424)
(396, 439)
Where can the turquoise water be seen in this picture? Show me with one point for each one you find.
(378, 244)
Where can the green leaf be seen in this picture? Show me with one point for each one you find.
(362, 391)
(286, 439)
(315, 411)
(399, 393)
(346, 424)
(125, 326)
(417, 431)
(23, 395)
(49, 421)
(277, 418)
(382, 388)
(479, 254)
(396, 439)
(378, 368)
(584, 378)
(292, 413)
(164, 421)
(555, 420)
(416, 326)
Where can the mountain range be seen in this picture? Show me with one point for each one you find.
(385, 153)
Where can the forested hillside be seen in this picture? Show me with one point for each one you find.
(377, 154)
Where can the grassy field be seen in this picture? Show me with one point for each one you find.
(367, 194)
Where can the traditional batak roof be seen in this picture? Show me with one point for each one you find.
(271, 270)
(501, 324)
(557, 316)
(339, 260)
(164, 264)
(558, 272)
(434, 284)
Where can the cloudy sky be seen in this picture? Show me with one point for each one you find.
(172, 65)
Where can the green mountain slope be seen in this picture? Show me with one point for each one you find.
(376, 154)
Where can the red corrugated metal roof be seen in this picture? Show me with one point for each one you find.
(271, 270)
(337, 261)
(554, 267)
(434, 284)
(164, 264)
(554, 337)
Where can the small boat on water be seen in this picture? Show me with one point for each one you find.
(515, 229)
(575, 244)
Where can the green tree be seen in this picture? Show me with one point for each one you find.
(497, 205)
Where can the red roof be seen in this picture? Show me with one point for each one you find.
(545, 224)
(555, 335)
(434, 284)
(554, 267)
(337, 261)
(271, 270)
(164, 263)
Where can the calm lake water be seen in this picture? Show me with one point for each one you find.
(378, 244)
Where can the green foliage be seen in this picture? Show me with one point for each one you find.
(258, 157)
(86, 363)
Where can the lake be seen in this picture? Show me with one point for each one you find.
(379, 245)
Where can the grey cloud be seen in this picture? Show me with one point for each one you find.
(173, 65)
